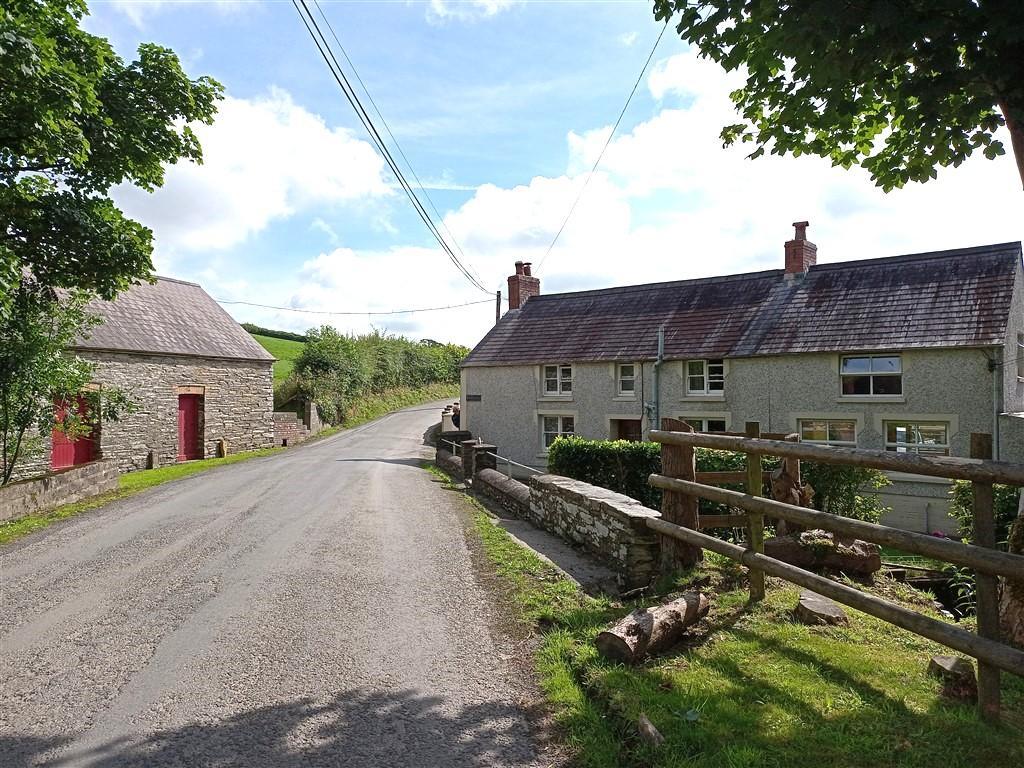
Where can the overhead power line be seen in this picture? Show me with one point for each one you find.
(353, 99)
(368, 312)
(608, 141)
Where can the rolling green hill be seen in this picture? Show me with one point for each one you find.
(284, 350)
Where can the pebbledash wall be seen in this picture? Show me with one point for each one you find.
(504, 405)
(237, 407)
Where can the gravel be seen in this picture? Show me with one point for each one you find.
(315, 608)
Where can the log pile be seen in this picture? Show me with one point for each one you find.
(817, 549)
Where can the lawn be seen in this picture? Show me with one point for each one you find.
(285, 350)
(752, 687)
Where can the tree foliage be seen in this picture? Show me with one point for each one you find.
(335, 370)
(39, 379)
(76, 120)
(901, 88)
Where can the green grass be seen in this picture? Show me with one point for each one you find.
(285, 350)
(128, 484)
(751, 687)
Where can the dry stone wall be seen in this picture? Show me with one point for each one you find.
(57, 488)
(608, 525)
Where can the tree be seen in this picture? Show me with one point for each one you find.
(39, 379)
(75, 120)
(902, 88)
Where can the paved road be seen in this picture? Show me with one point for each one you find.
(315, 608)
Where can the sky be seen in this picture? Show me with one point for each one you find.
(501, 108)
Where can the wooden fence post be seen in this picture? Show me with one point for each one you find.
(755, 486)
(986, 586)
(678, 508)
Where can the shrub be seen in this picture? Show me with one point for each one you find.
(1004, 509)
(624, 466)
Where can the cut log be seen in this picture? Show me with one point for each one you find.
(648, 732)
(646, 632)
(1011, 602)
(818, 549)
(814, 609)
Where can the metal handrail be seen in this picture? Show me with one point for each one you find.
(510, 463)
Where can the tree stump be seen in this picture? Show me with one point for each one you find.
(957, 676)
(648, 631)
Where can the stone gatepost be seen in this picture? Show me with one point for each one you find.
(469, 459)
(485, 456)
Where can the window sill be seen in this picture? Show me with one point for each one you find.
(871, 399)
(703, 399)
(554, 399)
(625, 398)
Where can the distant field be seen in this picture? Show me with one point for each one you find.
(284, 350)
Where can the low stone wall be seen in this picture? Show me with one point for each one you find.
(449, 463)
(57, 488)
(608, 525)
(288, 426)
(512, 495)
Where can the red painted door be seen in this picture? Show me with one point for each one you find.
(189, 446)
(68, 452)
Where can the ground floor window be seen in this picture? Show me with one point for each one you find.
(705, 425)
(553, 427)
(930, 438)
(840, 432)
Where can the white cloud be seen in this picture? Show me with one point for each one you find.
(467, 10)
(140, 10)
(263, 160)
(627, 38)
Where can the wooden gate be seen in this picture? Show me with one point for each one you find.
(189, 442)
(70, 451)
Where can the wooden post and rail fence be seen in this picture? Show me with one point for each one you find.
(682, 541)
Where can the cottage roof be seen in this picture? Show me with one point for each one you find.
(941, 299)
(170, 317)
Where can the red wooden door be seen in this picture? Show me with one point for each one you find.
(68, 452)
(188, 428)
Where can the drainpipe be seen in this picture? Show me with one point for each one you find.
(657, 379)
(997, 371)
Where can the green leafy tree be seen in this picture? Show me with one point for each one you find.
(902, 88)
(76, 120)
(39, 380)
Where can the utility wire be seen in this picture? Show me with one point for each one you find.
(346, 87)
(326, 312)
(398, 146)
(597, 162)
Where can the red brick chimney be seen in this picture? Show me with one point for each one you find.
(522, 285)
(801, 253)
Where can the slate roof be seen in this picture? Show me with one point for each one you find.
(170, 317)
(940, 299)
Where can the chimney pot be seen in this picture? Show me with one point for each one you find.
(526, 268)
(519, 267)
(801, 253)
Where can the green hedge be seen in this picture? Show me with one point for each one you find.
(259, 330)
(624, 466)
(1004, 509)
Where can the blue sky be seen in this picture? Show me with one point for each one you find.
(501, 106)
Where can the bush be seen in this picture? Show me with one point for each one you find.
(1004, 509)
(623, 466)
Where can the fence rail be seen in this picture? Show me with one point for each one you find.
(680, 522)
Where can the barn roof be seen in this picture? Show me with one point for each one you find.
(941, 299)
(170, 317)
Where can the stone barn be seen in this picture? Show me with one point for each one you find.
(194, 375)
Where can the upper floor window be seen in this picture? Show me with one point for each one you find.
(553, 427)
(842, 432)
(557, 379)
(872, 375)
(705, 377)
(1020, 357)
(626, 379)
(928, 438)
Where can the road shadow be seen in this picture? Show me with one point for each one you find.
(355, 729)
(419, 463)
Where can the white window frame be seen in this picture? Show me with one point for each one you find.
(699, 420)
(1020, 356)
(871, 374)
(827, 441)
(916, 447)
(563, 383)
(712, 372)
(701, 424)
(560, 421)
(620, 378)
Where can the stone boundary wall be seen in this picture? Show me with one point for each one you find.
(288, 426)
(449, 463)
(57, 488)
(608, 525)
(512, 495)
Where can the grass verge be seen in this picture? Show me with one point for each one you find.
(751, 687)
(128, 485)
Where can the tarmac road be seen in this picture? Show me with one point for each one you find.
(314, 608)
